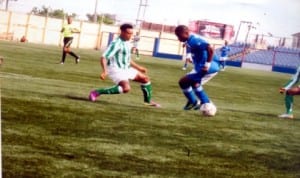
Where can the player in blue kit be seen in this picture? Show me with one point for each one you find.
(206, 66)
(224, 55)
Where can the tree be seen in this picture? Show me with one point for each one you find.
(105, 18)
(58, 13)
(47, 11)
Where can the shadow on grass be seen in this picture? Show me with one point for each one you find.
(255, 113)
(102, 102)
(80, 98)
(85, 98)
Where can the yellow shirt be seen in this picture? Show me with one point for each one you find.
(67, 30)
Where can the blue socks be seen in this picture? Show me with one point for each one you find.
(201, 94)
(189, 94)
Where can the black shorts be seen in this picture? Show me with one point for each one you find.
(68, 41)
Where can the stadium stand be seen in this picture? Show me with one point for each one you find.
(276, 56)
(237, 50)
(279, 56)
(260, 57)
(287, 57)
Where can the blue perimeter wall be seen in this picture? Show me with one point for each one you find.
(158, 54)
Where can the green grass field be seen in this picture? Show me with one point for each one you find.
(50, 129)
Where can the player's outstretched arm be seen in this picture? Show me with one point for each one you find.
(75, 30)
(138, 67)
(103, 63)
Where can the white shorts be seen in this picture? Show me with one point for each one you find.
(206, 77)
(223, 58)
(117, 75)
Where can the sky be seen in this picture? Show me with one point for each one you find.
(278, 17)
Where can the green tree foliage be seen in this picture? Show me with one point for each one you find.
(47, 11)
(105, 18)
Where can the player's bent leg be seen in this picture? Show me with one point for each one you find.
(117, 89)
(192, 102)
(63, 58)
(185, 82)
(146, 88)
(67, 49)
(77, 58)
(185, 85)
(289, 100)
(141, 78)
(200, 93)
(147, 92)
(125, 87)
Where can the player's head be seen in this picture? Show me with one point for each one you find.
(69, 20)
(182, 33)
(126, 31)
(226, 42)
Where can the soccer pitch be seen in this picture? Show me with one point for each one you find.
(50, 129)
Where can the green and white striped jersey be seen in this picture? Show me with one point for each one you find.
(118, 54)
(295, 78)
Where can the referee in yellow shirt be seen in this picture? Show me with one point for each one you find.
(68, 31)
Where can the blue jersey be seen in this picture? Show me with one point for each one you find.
(198, 47)
(224, 51)
(188, 49)
(188, 52)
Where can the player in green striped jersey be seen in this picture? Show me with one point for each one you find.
(290, 91)
(117, 64)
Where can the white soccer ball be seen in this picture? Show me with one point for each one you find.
(208, 109)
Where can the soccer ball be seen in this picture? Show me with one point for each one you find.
(208, 109)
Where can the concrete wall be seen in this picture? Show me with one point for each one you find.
(45, 30)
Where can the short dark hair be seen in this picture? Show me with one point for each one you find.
(180, 29)
(125, 26)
